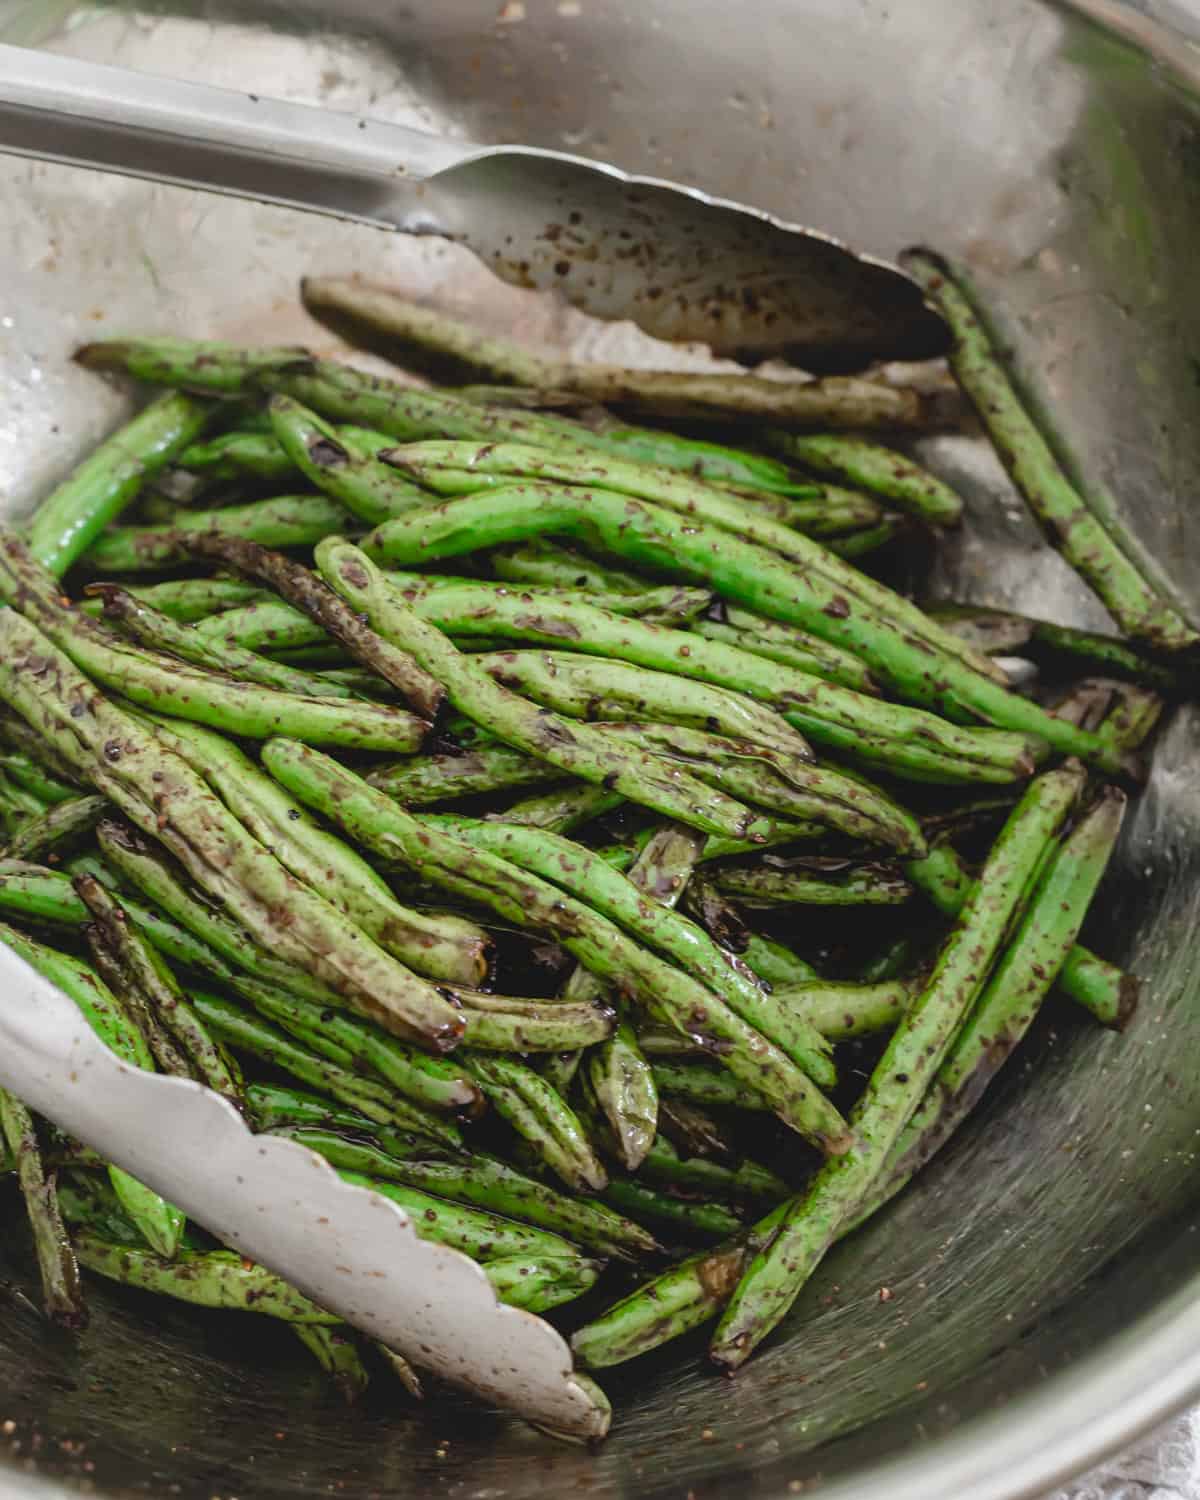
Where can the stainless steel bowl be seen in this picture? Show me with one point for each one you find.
(1045, 1305)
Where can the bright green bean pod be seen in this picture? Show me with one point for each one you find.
(337, 1352)
(1110, 994)
(488, 1183)
(196, 365)
(209, 1278)
(815, 883)
(35, 779)
(246, 1033)
(281, 521)
(872, 467)
(150, 628)
(690, 1218)
(742, 571)
(480, 1235)
(539, 1282)
(347, 471)
(99, 489)
(156, 1220)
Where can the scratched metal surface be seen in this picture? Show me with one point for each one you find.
(1056, 1239)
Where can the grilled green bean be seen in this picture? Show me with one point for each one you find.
(444, 947)
(246, 1033)
(99, 489)
(149, 976)
(574, 748)
(813, 883)
(282, 521)
(488, 1183)
(348, 471)
(157, 1221)
(1058, 507)
(372, 819)
(62, 1293)
(747, 573)
(209, 1278)
(812, 1221)
(60, 826)
(872, 467)
(224, 369)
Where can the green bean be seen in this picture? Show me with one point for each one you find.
(561, 810)
(186, 692)
(1058, 507)
(872, 467)
(209, 1278)
(158, 1222)
(162, 795)
(692, 1218)
(57, 828)
(870, 538)
(168, 1055)
(1098, 986)
(225, 369)
(742, 1181)
(433, 1083)
(281, 1107)
(574, 748)
(188, 600)
(281, 521)
(372, 819)
(308, 593)
(148, 627)
(683, 1297)
(741, 571)
(482, 1236)
(816, 882)
(1132, 719)
(705, 504)
(193, 933)
(337, 1352)
(488, 1183)
(899, 1082)
(775, 963)
(156, 985)
(444, 947)
(500, 1023)
(234, 1026)
(620, 900)
(853, 402)
(842, 1009)
(700, 1084)
(231, 455)
(1021, 981)
(547, 564)
(788, 647)
(62, 1293)
(348, 471)
(693, 1130)
(402, 1370)
(538, 1114)
(586, 687)
(265, 624)
(35, 779)
(99, 489)
(539, 1282)
(31, 891)
(424, 780)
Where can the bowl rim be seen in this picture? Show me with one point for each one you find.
(1136, 1379)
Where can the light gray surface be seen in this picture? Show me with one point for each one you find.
(1045, 1307)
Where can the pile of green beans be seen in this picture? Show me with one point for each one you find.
(554, 892)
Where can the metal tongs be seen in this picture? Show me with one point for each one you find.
(682, 265)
